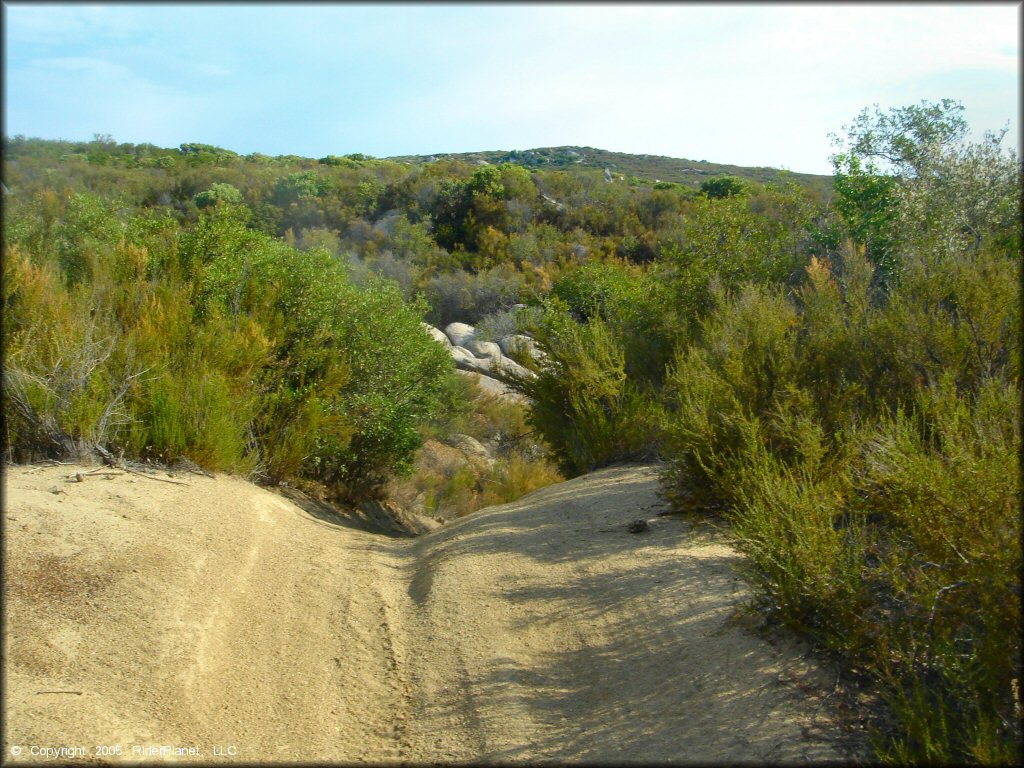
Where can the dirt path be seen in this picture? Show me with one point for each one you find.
(220, 615)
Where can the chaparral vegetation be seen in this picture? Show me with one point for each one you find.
(832, 371)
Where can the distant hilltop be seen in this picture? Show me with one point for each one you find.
(691, 173)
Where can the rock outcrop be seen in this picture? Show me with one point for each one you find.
(492, 386)
(486, 349)
(488, 360)
(518, 344)
(472, 449)
(463, 358)
(460, 334)
(437, 335)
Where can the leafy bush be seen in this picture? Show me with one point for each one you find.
(632, 301)
(583, 404)
(85, 235)
(734, 388)
(903, 551)
(466, 298)
(218, 193)
(892, 536)
(863, 439)
(223, 345)
(724, 242)
(399, 379)
(945, 478)
(724, 186)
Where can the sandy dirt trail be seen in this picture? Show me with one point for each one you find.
(220, 616)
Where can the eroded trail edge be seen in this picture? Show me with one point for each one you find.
(218, 614)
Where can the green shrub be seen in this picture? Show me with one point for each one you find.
(86, 233)
(227, 194)
(221, 345)
(632, 301)
(952, 311)
(744, 359)
(194, 415)
(724, 186)
(944, 478)
(865, 450)
(400, 378)
(583, 404)
(805, 545)
(839, 363)
(873, 486)
(723, 243)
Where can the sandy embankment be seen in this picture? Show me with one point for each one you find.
(218, 614)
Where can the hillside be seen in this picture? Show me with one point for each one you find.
(691, 173)
(207, 612)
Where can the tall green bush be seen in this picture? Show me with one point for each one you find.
(582, 402)
(862, 437)
(221, 344)
(744, 361)
(632, 302)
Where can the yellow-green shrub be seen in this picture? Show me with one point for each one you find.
(866, 453)
(517, 476)
(582, 402)
(221, 345)
(944, 478)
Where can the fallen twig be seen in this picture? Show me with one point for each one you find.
(50, 463)
(100, 470)
(151, 477)
(107, 456)
(80, 476)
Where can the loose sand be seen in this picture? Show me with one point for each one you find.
(220, 616)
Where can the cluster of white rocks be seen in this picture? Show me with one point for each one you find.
(485, 358)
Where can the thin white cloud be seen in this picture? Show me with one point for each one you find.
(55, 25)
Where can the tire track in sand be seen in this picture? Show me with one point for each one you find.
(222, 614)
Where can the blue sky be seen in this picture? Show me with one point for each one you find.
(758, 84)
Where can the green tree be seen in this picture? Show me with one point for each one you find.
(298, 186)
(450, 207)
(903, 138)
(724, 186)
(880, 151)
(866, 202)
(218, 193)
(725, 242)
